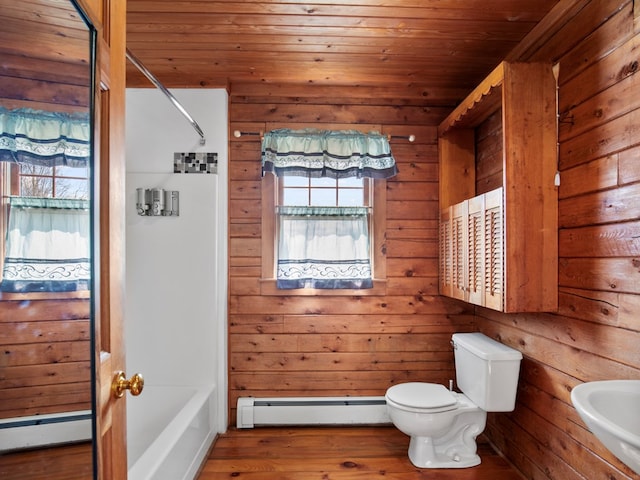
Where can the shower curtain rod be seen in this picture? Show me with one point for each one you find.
(411, 138)
(132, 58)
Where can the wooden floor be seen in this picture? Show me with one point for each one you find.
(344, 453)
(69, 462)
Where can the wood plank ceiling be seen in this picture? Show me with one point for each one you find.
(50, 71)
(439, 47)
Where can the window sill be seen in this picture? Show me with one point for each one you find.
(268, 287)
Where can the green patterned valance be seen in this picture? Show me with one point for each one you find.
(324, 153)
(304, 211)
(40, 202)
(44, 138)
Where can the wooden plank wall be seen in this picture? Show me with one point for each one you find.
(489, 154)
(595, 334)
(310, 346)
(45, 363)
(328, 345)
(45, 73)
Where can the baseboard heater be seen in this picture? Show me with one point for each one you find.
(253, 412)
(44, 430)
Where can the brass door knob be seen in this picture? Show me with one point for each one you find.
(120, 384)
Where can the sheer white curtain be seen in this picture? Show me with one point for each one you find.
(48, 245)
(323, 247)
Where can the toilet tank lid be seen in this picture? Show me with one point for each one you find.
(485, 347)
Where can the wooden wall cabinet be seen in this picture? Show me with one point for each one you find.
(499, 248)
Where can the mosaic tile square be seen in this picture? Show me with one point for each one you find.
(195, 162)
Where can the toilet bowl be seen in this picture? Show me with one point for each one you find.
(444, 424)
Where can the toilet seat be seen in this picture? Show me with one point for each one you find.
(422, 397)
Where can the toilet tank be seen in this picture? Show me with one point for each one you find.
(486, 371)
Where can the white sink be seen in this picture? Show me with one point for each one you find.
(611, 410)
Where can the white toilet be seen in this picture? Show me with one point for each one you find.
(443, 424)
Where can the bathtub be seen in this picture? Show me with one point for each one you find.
(169, 432)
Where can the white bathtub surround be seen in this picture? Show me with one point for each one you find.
(174, 433)
(175, 316)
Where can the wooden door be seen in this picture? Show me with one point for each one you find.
(109, 17)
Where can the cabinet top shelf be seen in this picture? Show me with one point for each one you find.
(485, 99)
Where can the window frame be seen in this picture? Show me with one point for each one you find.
(269, 244)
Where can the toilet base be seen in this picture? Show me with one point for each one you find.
(455, 449)
(423, 454)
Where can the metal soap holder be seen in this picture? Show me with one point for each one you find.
(156, 202)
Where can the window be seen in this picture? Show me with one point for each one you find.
(287, 191)
(47, 230)
(323, 233)
(44, 186)
(324, 211)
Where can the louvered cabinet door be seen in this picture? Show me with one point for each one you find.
(459, 250)
(494, 250)
(445, 254)
(475, 251)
